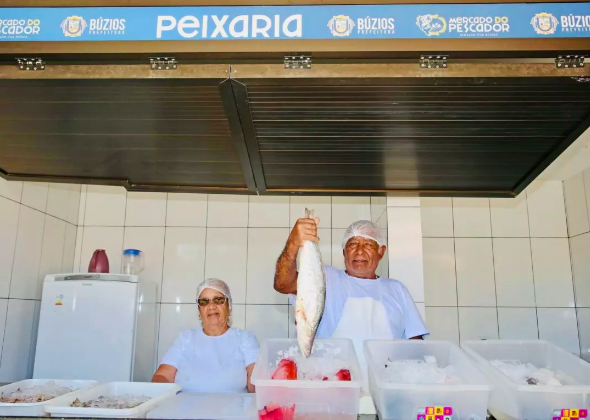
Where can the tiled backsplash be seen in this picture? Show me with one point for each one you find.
(577, 198)
(500, 268)
(38, 223)
(188, 237)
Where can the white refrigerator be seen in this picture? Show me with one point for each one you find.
(98, 327)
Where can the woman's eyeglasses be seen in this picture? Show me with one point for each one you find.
(218, 300)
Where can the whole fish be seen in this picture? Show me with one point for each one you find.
(311, 294)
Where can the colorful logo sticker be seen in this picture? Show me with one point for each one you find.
(431, 24)
(570, 414)
(59, 300)
(341, 25)
(73, 26)
(544, 23)
(435, 413)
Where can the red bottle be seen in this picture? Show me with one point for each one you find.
(99, 263)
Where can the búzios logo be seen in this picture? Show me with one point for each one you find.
(341, 25)
(544, 23)
(431, 25)
(73, 26)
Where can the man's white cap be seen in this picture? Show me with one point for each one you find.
(364, 229)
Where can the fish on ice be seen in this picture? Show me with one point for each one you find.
(311, 294)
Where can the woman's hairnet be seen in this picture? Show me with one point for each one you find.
(364, 229)
(218, 285)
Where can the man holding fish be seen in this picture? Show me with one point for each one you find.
(353, 303)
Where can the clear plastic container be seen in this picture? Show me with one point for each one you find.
(207, 406)
(36, 409)
(132, 261)
(157, 392)
(308, 399)
(402, 401)
(510, 400)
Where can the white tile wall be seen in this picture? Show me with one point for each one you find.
(105, 206)
(478, 323)
(337, 252)
(35, 195)
(186, 210)
(18, 335)
(576, 205)
(471, 217)
(546, 209)
(11, 189)
(510, 217)
(475, 272)
(346, 210)
(514, 272)
(29, 243)
(145, 209)
(580, 249)
(510, 265)
(552, 270)
(587, 186)
(559, 325)
(584, 328)
(184, 264)
(440, 276)
(437, 217)
(443, 323)
(9, 211)
(268, 321)
(518, 323)
(227, 211)
(322, 207)
(37, 237)
(268, 211)
(406, 262)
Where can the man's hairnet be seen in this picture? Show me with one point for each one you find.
(364, 229)
(218, 285)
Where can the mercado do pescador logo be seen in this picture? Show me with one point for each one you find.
(19, 28)
(465, 26)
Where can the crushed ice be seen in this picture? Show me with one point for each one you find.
(419, 371)
(526, 373)
(119, 402)
(35, 394)
(324, 361)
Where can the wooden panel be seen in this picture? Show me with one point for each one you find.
(411, 134)
(138, 131)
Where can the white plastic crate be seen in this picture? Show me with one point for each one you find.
(36, 409)
(157, 393)
(207, 406)
(510, 400)
(317, 400)
(401, 401)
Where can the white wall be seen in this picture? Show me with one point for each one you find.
(500, 268)
(189, 237)
(577, 195)
(38, 223)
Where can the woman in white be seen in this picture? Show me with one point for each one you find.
(215, 358)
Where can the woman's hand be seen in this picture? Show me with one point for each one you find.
(249, 370)
(165, 374)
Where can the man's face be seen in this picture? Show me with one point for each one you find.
(362, 256)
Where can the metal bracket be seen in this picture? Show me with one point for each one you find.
(297, 62)
(567, 61)
(31, 63)
(163, 63)
(434, 61)
(582, 79)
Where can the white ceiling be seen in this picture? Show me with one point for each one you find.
(574, 160)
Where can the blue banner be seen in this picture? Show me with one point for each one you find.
(435, 21)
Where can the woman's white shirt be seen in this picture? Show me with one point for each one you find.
(212, 363)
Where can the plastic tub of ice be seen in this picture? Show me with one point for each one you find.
(207, 406)
(534, 379)
(113, 400)
(414, 379)
(310, 396)
(33, 395)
